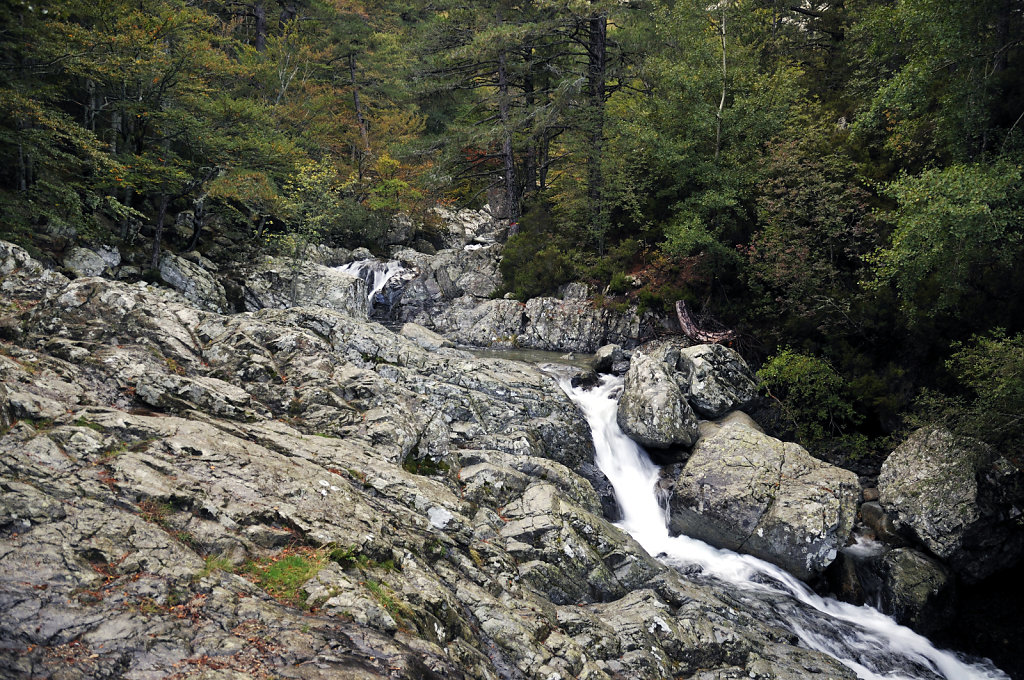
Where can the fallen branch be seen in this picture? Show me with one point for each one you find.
(691, 330)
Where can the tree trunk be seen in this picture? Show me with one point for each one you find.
(288, 12)
(22, 169)
(512, 205)
(158, 233)
(721, 102)
(199, 217)
(364, 134)
(89, 115)
(260, 14)
(530, 168)
(597, 48)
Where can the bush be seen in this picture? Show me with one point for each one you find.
(986, 400)
(620, 284)
(531, 271)
(814, 399)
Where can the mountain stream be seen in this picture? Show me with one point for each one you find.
(873, 645)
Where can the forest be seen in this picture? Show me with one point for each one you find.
(839, 182)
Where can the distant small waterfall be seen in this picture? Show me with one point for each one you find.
(873, 645)
(377, 274)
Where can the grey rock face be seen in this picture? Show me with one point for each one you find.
(194, 282)
(916, 590)
(424, 337)
(746, 491)
(280, 283)
(960, 499)
(719, 380)
(84, 262)
(452, 296)
(432, 500)
(653, 410)
(23, 281)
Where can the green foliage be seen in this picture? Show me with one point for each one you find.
(986, 401)
(956, 229)
(350, 558)
(815, 223)
(813, 397)
(214, 564)
(425, 466)
(284, 574)
(532, 266)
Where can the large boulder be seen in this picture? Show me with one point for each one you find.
(959, 498)
(23, 280)
(749, 492)
(916, 590)
(281, 283)
(84, 262)
(576, 326)
(718, 379)
(194, 282)
(653, 411)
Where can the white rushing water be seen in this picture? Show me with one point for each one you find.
(375, 273)
(862, 638)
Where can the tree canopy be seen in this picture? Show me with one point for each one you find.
(841, 182)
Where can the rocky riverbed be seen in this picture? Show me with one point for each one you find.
(297, 491)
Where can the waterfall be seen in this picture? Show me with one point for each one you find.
(873, 645)
(377, 275)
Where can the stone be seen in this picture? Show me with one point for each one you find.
(653, 411)
(23, 280)
(563, 325)
(717, 380)
(84, 262)
(959, 498)
(708, 428)
(746, 491)
(438, 514)
(281, 283)
(883, 529)
(33, 406)
(606, 357)
(194, 282)
(916, 590)
(424, 337)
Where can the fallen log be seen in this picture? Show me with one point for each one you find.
(691, 330)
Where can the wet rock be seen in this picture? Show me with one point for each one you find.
(746, 491)
(959, 498)
(606, 357)
(653, 410)
(916, 590)
(875, 518)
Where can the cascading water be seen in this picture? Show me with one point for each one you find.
(377, 275)
(870, 643)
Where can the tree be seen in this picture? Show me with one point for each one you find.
(957, 235)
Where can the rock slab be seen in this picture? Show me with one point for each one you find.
(962, 500)
(749, 492)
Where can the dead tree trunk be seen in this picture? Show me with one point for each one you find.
(692, 331)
